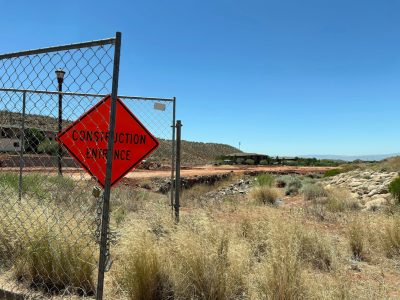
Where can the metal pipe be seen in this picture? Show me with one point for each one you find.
(107, 187)
(59, 48)
(22, 146)
(59, 150)
(84, 94)
(178, 169)
(173, 156)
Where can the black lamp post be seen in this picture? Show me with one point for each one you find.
(60, 79)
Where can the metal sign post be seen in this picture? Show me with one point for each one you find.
(107, 189)
(178, 170)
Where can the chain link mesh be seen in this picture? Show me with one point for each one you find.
(47, 243)
(50, 224)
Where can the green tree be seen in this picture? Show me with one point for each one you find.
(33, 138)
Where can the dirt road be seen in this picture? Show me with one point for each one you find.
(185, 171)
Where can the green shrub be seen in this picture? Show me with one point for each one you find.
(394, 189)
(265, 179)
(239, 161)
(313, 191)
(332, 172)
(264, 162)
(33, 138)
(250, 161)
(293, 185)
(48, 147)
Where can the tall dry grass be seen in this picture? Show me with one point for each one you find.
(47, 249)
(391, 238)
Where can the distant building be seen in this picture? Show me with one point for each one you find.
(242, 157)
(10, 137)
(9, 140)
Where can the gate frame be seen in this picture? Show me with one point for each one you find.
(175, 161)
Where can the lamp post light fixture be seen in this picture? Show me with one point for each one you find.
(60, 79)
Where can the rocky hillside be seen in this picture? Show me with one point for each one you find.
(193, 153)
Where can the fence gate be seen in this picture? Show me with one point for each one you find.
(54, 222)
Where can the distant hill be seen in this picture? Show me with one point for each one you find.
(374, 157)
(44, 123)
(192, 152)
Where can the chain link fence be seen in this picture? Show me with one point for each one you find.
(51, 212)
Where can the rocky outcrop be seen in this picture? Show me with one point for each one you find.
(370, 187)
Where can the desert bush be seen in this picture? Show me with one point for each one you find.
(332, 172)
(357, 240)
(47, 253)
(264, 162)
(265, 180)
(56, 264)
(316, 249)
(394, 189)
(313, 191)
(202, 268)
(391, 238)
(316, 210)
(339, 200)
(281, 275)
(280, 182)
(249, 161)
(264, 194)
(141, 274)
(293, 185)
(48, 147)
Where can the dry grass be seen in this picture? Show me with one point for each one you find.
(340, 200)
(391, 164)
(281, 277)
(391, 238)
(141, 274)
(315, 248)
(246, 252)
(264, 194)
(312, 192)
(357, 240)
(44, 249)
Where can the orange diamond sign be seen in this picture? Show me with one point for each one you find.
(87, 141)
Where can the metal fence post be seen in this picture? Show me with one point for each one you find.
(22, 146)
(59, 150)
(107, 190)
(173, 156)
(178, 169)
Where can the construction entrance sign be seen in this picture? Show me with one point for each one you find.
(87, 141)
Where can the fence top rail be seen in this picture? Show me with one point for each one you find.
(85, 94)
(59, 48)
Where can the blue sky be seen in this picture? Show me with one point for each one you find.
(282, 77)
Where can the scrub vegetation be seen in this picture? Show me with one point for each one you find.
(318, 244)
